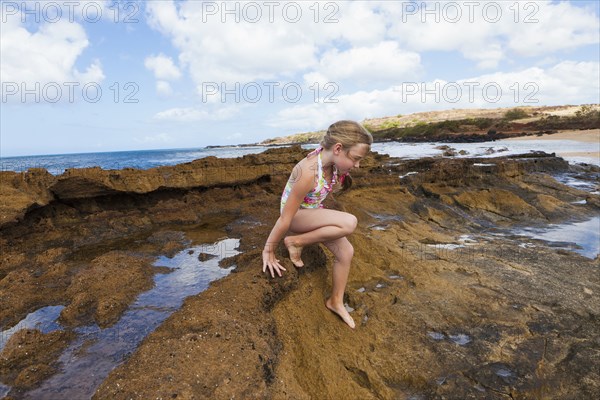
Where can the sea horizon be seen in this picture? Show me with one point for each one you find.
(122, 151)
(56, 164)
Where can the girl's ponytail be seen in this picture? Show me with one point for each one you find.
(346, 181)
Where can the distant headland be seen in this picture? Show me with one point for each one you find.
(464, 125)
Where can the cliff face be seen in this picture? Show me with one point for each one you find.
(22, 192)
(448, 302)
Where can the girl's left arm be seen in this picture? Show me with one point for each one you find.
(295, 198)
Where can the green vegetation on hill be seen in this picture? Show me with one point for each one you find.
(586, 118)
(515, 113)
(299, 138)
(425, 130)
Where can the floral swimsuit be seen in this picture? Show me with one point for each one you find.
(313, 198)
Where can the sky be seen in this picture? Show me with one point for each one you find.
(94, 76)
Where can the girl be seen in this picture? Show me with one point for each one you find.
(344, 145)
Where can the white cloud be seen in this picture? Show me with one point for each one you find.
(162, 67)
(335, 42)
(46, 56)
(359, 23)
(93, 73)
(382, 63)
(163, 88)
(489, 31)
(567, 82)
(231, 52)
(560, 26)
(359, 44)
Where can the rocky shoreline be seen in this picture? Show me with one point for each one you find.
(450, 302)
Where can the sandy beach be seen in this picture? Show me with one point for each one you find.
(586, 136)
(583, 154)
(591, 136)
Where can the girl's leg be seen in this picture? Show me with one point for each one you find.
(317, 226)
(343, 252)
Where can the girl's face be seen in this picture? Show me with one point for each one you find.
(346, 159)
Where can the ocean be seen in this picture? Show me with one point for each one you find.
(56, 164)
(145, 159)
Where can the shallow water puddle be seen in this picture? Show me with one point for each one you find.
(460, 339)
(43, 320)
(574, 181)
(467, 240)
(96, 352)
(446, 246)
(586, 235)
(436, 335)
(384, 221)
(408, 174)
(379, 227)
(504, 373)
(584, 201)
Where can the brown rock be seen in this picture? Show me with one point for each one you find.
(497, 202)
(29, 356)
(32, 375)
(102, 292)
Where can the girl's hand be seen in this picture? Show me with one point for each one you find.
(272, 263)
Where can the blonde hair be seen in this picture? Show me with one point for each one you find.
(348, 133)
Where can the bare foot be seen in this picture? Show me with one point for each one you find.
(294, 250)
(341, 311)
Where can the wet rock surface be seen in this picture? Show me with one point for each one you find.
(448, 304)
(30, 356)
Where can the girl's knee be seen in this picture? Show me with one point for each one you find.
(342, 249)
(349, 251)
(350, 223)
(345, 252)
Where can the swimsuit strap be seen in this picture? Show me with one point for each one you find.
(315, 151)
(334, 176)
(320, 166)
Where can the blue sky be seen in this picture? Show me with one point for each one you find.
(191, 73)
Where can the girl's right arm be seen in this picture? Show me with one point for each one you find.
(301, 187)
